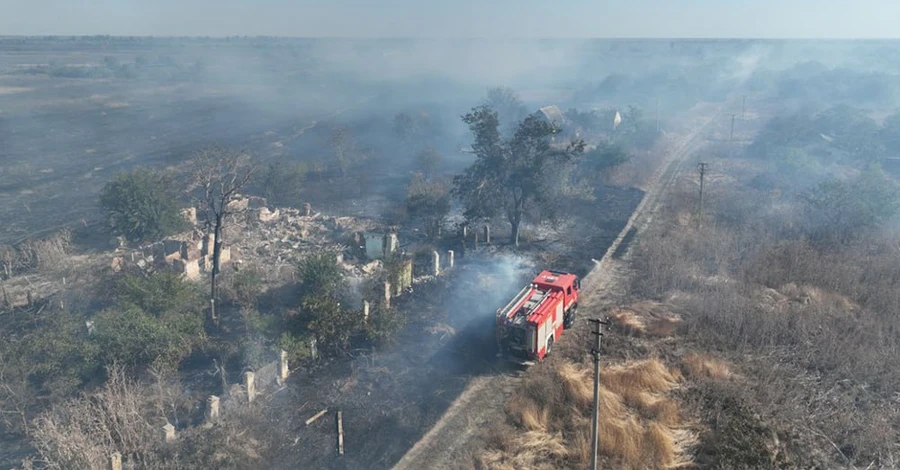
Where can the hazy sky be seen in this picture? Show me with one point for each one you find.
(456, 18)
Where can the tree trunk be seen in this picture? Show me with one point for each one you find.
(514, 221)
(217, 252)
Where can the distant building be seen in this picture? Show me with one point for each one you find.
(552, 114)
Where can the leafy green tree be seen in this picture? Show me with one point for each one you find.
(345, 150)
(283, 181)
(135, 338)
(332, 325)
(429, 202)
(320, 275)
(142, 205)
(159, 294)
(42, 358)
(383, 324)
(428, 160)
(509, 176)
(509, 106)
(155, 319)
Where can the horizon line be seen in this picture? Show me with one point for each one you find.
(468, 38)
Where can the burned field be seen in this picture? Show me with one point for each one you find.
(338, 161)
(64, 132)
(390, 399)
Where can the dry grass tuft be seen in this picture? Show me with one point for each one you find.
(528, 413)
(628, 321)
(577, 383)
(621, 438)
(705, 366)
(806, 294)
(533, 449)
(660, 445)
(644, 376)
(665, 412)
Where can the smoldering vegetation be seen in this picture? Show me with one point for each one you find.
(790, 273)
(372, 129)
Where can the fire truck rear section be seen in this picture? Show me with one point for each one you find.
(528, 326)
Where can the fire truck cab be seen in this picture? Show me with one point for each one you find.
(528, 326)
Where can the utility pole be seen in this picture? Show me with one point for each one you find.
(701, 167)
(732, 128)
(595, 423)
(657, 115)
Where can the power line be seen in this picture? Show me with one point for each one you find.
(701, 167)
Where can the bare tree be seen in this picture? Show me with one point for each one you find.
(218, 177)
(344, 148)
(84, 431)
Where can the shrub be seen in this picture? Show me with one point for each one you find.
(320, 275)
(332, 325)
(135, 338)
(141, 205)
(383, 325)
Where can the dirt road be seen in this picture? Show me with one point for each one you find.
(449, 441)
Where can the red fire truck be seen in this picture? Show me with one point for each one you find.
(528, 326)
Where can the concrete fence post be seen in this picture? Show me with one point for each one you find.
(168, 433)
(212, 409)
(487, 235)
(313, 348)
(250, 384)
(387, 294)
(475, 242)
(450, 258)
(365, 311)
(436, 262)
(283, 370)
(115, 461)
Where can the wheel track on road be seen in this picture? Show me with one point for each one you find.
(483, 400)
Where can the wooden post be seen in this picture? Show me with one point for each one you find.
(283, 369)
(115, 461)
(316, 416)
(212, 409)
(168, 433)
(340, 429)
(249, 382)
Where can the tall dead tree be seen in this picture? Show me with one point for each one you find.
(218, 177)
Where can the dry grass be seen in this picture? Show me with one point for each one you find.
(628, 321)
(640, 426)
(644, 376)
(528, 414)
(705, 366)
(649, 318)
